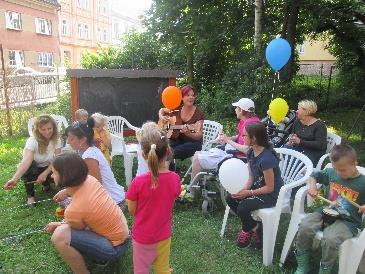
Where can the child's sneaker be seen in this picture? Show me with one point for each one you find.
(244, 239)
(256, 238)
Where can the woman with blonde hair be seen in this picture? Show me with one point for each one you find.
(39, 151)
(309, 134)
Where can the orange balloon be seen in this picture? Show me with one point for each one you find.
(171, 97)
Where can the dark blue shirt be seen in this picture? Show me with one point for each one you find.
(264, 161)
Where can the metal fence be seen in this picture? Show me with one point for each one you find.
(27, 90)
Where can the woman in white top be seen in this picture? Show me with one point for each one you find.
(39, 151)
(80, 136)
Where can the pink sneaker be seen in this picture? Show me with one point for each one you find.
(244, 239)
(256, 241)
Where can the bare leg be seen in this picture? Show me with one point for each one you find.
(196, 167)
(61, 239)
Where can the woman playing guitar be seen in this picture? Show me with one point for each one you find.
(187, 140)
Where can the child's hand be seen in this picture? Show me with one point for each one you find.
(242, 194)
(10, 184)
(362, 209)
(51, 227)
(60, 196)
(313, 192)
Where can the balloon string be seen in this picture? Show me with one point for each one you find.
(277, 75)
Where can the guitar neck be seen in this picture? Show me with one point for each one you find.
(176, 127)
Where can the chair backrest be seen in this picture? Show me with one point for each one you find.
(115, 125)
(293, 165)
(211, 130)
(60, 121)
(359, 168)
(332, 140)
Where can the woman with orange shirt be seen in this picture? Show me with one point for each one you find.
(94, 226)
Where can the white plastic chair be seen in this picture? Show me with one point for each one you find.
(211, 130)
(119, 147)
(352, 248)
(332, 140)
(60, 120)
(295, 170)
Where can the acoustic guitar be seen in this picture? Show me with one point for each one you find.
(170, 126)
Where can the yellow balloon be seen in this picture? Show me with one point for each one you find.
(278, 109)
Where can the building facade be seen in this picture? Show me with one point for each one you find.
(29, 33)
(84, 24)
(122, 24)
(315, 52)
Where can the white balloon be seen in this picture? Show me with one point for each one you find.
(233, 175)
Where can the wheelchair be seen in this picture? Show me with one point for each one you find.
(208, 181)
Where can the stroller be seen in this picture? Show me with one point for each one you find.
(205, 180)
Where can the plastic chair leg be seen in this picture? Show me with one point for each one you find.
(225, 219)
(270, 229)
(350, 249)
(290, 235)
(128, 166)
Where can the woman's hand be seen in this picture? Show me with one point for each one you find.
(163, 114)
(60, 196)
(10, 184)
(294, 140)
(223, 139)
(51, 227)
(242, 194)
(41, 178)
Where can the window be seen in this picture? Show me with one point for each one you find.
(79, 30)
(86, 32)
(16, 58)
(84, 4)
(300, 49)
(105, 36)
(45, 59)
(13, 20)
(65, 30)
(102, 7)
(43, 26)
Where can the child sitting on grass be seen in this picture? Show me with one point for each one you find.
(346, 184)
(150, 200)
(102, 137)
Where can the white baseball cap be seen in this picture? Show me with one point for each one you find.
(245, 104)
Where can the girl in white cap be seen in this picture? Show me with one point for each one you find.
(234, 145)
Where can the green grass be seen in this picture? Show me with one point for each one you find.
(196, 245)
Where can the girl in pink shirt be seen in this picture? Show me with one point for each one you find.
(150, 200)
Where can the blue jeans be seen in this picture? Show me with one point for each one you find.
(97, 247)
(183, 150)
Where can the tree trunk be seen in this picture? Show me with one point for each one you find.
(258, 26)
(291, 29)
(190, 63)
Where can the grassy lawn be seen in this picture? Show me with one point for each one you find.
(196, 248)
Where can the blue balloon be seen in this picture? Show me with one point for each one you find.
(278, 53)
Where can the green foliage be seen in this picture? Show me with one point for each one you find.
(137, 50)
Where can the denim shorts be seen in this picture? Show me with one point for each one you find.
(96, 247)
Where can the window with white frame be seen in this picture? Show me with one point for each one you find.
(84, 4)
(79, 30)
(102, 7)
(105, 35)
(43, 26)
(300, 48)
(65, 27)
(13, 20)
(86, 32)
(45, 59)
(16, 58)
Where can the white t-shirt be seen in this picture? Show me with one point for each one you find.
(107, 177)
(45, 159)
